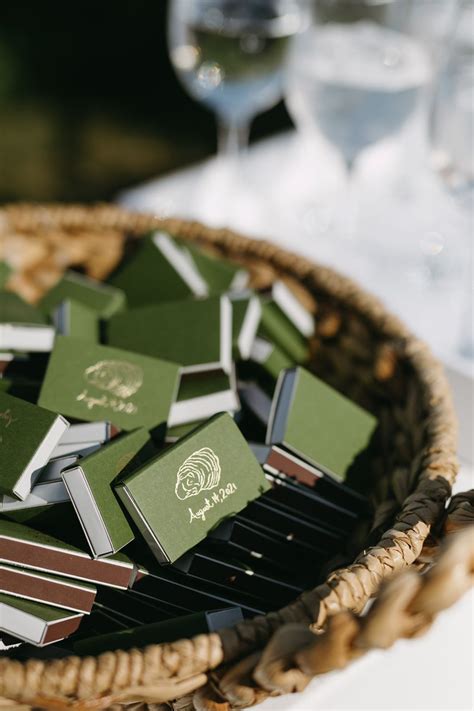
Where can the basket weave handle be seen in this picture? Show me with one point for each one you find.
(405, 608)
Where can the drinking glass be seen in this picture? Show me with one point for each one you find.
(362, 70)
(452, 127)
(452, 133)
(230, 55)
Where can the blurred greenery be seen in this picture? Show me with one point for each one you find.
(89, 103)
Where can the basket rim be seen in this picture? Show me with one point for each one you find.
(348, 588)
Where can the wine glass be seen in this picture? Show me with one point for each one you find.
(452, 126)
(452, 133)
(230, 55)
(359, 73)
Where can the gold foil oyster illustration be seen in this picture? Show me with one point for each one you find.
(201, 471)
(118, 377)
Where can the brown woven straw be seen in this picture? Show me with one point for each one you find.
(360, 349)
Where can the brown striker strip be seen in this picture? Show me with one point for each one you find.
(140, 574)
(53, 592)
(278, 461)
(64, 563)
(59, 630)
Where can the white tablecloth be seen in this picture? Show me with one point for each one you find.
(411, 243)
(410, 249)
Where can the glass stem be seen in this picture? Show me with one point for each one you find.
(232, 139)
(352, 206)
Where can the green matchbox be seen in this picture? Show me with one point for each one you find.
(23, 327)
(178, 497)
(89, 484)
(202, 395)
(14, 310)
(219, 274)
(160, 270)
(276, 327)
(104, 299)
(28, 436)
(34, 622)
(24, 542)
(93, 382)
(315, 422)
(197, 334)
(5, 273)
(72, 318)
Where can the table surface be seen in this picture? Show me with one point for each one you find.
(412, 241)
(422, 278)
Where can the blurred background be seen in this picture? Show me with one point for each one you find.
(90, 103)
(359, 113)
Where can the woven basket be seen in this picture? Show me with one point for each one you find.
(360, 349)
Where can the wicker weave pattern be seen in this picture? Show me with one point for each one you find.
(405, 608)
(359, 348)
